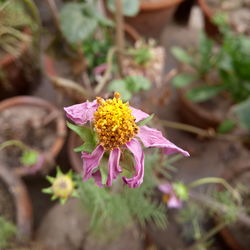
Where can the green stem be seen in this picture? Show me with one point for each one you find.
(107, 74)
(208, 235)
(210, 133)
(217, 180)
(16, 143)
(34, 11)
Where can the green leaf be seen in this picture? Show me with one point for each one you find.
(183, 80)
(29, 157)
(137, 83)
(121, 87)
(47, 190)
(7, 232)
(204, 92)
(130, 7)
(145, 121)
(77, 23)
(181, 55)
(129, 85)
(50, 179)
(86, 147)
(226, 126)
(87, 135)
(243, 112)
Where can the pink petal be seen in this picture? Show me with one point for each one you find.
(138, 114)
(135, 147)
(100, 69)
(91, 161)
(151, 137)
(114, 168)
(165, 188)
(174, 202)
(81, 113)
(98, 178)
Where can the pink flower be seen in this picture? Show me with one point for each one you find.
(170, 197)
(116, 128)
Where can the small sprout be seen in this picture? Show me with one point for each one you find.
(181, 191)
(62, 186)
(29, 157)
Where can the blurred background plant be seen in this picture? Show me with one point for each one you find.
(7, 231)
(15, 16)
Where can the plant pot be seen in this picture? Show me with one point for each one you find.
(195, 114)
(19, 205)
(19, 73)
(153, 16)
(227, 233)
(47, 139)
(211, 29)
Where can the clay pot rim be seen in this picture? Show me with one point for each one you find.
(9, 58)
(52, 152)
(227, 236)
(158, 5)
(205, 8)
(24, 214)
(202, 113)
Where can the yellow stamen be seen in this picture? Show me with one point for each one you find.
(114, 123)
(165, 198)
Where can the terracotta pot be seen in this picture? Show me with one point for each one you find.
(51, 153)
(21, 201)
(18, 74)
(211, 29)
(153, 16)
(226, 234)
(196, 115)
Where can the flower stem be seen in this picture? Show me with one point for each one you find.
(107, 74)
(16, 143)
(209, 180)
(219, 208)
(207, 133)
(119, 35)
(208, 235)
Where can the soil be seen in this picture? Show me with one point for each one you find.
(7, 205)
(25, 123)
(153, 70)
(239, 231)
(238, 11)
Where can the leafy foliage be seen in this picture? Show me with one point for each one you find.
(242, 110)
(129, 85)
(7, 231)
(13, 18)
(130, 7)
(230, 61)
(29, 157)
(226, 126)
(142, 55)
(80, 20)
(121, 208)
(95, 49)
(87, 135)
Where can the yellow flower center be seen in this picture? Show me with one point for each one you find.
(63, 186)
(165, 198)
(114, 123)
